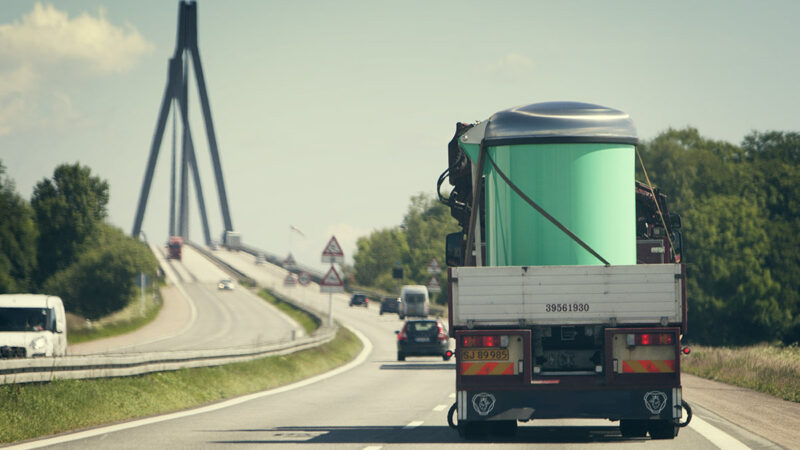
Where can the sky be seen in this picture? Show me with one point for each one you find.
(330, 116)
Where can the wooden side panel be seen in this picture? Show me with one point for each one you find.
(567, 294)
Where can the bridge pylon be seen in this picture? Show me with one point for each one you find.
(176, 95)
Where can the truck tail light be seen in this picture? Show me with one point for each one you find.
(655, 339)
(489, 340)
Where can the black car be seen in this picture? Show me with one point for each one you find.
(390, 304)
(423, 337)
(359, 300)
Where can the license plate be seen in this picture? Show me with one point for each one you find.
(423, 339)
(485, 354)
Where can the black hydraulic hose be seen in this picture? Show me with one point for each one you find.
(452, 412)
(688, 409)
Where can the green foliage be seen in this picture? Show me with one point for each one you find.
(102, 279)
(741, 210)
(68, 210)
(410, 246)
(17, 239)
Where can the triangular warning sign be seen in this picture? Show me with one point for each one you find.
(332, 278)
(434, 266)
(289, 261)
(331, 282)
(333, 252)
(434, 285)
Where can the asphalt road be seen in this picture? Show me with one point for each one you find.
(377, 403)
(207, 318)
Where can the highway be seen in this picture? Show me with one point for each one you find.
(378, 403)
(202, 316)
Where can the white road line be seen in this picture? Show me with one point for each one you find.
(373, 447)
(715, 435)
(440, 407)
(452, 395)
(217, 406)
(413, 425)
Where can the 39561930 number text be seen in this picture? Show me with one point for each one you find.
(566, 307)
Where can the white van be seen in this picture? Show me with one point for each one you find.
(414, 301)
(31, 326)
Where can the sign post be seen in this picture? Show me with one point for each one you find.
(332, 282)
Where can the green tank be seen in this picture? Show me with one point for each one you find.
(576, 161)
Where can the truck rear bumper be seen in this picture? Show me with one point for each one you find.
(482, 405)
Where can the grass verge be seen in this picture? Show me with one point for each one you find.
(33, 410)
(773, 370)
(307, 321)
(124, 321)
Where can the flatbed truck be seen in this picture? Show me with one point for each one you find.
(566, 286)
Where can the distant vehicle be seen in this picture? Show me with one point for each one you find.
(390, 304)
(226, 285)
(414, 301)
(233, 240)
(423, 337)
(32, 326)
(175, 248)
(359, 300)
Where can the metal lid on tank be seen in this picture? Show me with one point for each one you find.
(554, 122)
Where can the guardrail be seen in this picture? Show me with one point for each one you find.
(14, 371)
(102, 366)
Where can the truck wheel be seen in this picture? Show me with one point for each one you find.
(401, 357)
(633, 428)
(663, 429)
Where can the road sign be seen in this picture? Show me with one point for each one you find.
(434, 286)
(333, 252)
(434, 266)
(290, 280)
(304, 278)
(331, 282)
(289, 262)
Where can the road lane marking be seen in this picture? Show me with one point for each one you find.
(413, 425)
(452, 395)
(715, 435)
(365, 352)
(440, 407)
(373, 447)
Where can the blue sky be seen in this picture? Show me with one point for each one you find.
(331, 115)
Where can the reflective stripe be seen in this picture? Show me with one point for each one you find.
(488, 368)
(649, 366)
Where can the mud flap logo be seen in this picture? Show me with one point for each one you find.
(483, 403)
(655, 401)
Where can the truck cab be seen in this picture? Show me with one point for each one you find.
(32, 326)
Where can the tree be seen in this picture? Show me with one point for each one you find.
(103, 277)
(68, 210)
(418, 240)
(17, 239)
(377, 254)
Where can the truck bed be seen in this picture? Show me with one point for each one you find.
(557, 295)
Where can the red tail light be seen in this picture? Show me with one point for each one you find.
(484, 341)
(401, 336)
(655, 339)
(442, 336)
